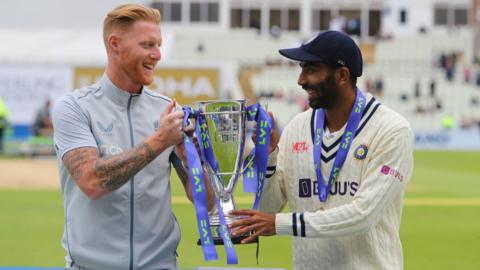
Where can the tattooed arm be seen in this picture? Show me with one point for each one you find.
(97, 176)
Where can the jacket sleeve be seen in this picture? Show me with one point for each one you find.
(71, 126)
(383, 182)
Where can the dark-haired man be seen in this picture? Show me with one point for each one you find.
(342, 168)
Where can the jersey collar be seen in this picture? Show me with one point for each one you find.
(116, 94)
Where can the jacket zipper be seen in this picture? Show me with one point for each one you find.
(132, 186)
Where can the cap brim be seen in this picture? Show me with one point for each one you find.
(299, 54)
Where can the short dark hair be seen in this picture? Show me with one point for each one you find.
(353, 79)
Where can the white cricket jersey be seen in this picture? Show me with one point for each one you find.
(358, 226)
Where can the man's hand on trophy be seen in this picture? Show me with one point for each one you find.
(169, 131)
(274, 136)
(190, 129)
(180, 147)
(256, 222)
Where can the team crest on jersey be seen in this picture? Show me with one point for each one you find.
(360, 152)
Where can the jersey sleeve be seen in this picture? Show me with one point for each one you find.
(71, 128)
(384, 179)
(273, 197)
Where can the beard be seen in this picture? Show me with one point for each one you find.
(324, 93)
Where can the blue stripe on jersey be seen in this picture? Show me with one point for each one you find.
(337, 142)
(270, 171)
(302, 226)
(368, 118)
(294, 223)
(326, 159)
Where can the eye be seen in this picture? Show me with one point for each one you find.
(308, 70)
(148, 45)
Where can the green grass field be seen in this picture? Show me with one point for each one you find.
(440, 226)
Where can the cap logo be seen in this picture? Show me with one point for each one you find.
(341, 62)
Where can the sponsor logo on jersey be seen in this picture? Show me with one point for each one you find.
(307, 188)
(386, 170)
(300, 147)
(360, 152)
(106, 149)
(105, 130)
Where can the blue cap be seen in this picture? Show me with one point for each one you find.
(330, 47)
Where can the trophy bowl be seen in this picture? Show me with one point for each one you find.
(225, 125)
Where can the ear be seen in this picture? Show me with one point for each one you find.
(113, 42)
(342, 76)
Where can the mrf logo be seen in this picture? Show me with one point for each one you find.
(308, 188)
(300, 147)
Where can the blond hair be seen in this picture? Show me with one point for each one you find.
(124, 16)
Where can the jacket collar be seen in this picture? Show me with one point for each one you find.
(116, 94)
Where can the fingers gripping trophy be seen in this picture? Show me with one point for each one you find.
(220, 131)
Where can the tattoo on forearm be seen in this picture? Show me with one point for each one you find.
(75, 160)
(113, 172)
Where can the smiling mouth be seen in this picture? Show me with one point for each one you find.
(311, 92)
(149, 67)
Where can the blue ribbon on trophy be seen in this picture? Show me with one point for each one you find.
(256, 160)
(197, 184)
(254, 175)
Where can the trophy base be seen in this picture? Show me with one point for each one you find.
(235, 240)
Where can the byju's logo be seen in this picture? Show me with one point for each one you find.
(105, 130)
(307, 188)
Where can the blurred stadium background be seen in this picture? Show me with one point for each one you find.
(421, 58)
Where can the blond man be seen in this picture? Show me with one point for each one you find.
(115, 141)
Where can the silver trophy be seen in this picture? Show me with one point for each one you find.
(226, 129)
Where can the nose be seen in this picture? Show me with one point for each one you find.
(156, 54)
(301, 79)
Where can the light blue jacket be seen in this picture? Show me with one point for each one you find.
(132, 227)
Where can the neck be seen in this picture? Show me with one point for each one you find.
(122, 81)
(338, 114)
